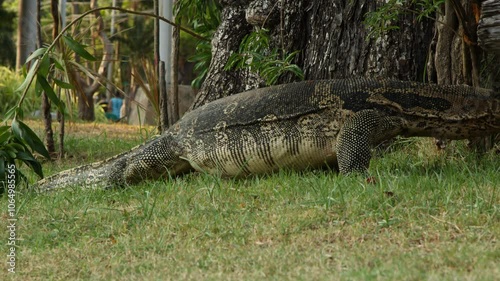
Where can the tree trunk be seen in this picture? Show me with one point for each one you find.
(46, 108)
(456, 58)
(165, 40)
(27, 31)
(54, 10)
(218, 82)
(161, 126)
(331, 36)
(173, 93)
(86, 110)
(489, 26)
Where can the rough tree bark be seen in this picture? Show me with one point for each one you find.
(331, 36)
(488, 32)
(454, 56)
(488, 29)
(227, 38)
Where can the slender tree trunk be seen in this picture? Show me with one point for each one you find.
(173, 93)
(60, 115)
(47, 121)
(27, 31)
(46, 107)
(160, 126)
(60, 118)
(164, 65)
(54, 9)
(162, 91)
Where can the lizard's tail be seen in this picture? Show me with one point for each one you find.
(101, 174)
(86, 176)
(149, 160)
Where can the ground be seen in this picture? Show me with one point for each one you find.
(431, 215)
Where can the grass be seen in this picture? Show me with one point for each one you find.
(432, 215)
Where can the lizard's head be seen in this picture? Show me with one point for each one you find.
(495, 102)
(495, 108)
(477, 111)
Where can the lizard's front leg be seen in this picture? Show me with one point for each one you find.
(359, 134)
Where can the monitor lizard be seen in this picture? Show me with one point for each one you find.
(296, 126)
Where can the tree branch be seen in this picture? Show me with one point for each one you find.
(107, 52)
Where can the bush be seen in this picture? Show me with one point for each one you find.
(9, 82)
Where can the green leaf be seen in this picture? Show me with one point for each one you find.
(11, 152)
(19, 112)
(4, 139)
(25, 156)
(28, 158)
(29, 77)
(44, 67)
(38, 89)
(44, 84)
(58, 63)
(16, 146)
(10, 113)
(23, 132)
(50, 92)
(4, 133)
(234, 59)
(63, 84)
(291, 56)
(78, 48)
(36, 54)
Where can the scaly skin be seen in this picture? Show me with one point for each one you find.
(298, 125)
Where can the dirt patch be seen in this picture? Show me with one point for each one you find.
(112, 130)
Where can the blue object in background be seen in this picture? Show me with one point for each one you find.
(116, 105)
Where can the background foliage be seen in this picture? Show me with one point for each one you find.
(7, 29)
(10, 80)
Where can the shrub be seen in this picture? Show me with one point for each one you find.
(9, 82)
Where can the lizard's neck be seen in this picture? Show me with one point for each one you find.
(452, 129)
